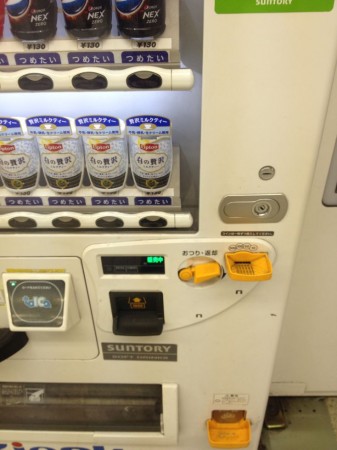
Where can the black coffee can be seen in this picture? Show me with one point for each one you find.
(140, 19)
(32, 20)
(87, 19)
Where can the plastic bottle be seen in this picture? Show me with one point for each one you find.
(32, 20)
(141, 19)
(87, 19)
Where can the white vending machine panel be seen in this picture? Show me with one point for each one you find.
(141, 319)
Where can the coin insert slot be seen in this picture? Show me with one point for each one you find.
(248, 266)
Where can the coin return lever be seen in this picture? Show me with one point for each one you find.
(200, 273)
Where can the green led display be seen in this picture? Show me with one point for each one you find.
(155, 259)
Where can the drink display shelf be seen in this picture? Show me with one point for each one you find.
(91, 209)
(66, 63)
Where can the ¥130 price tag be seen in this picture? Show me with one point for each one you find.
(90, 45)
(144, 44)
(35, 46)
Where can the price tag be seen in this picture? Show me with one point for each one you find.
(152, 44)
(145, 44)
(90, 45)
(35, 46)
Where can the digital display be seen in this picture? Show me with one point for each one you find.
(155, 259)
(134, 265)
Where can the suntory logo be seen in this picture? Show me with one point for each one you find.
(53, 147)
(149, 147)
(7, 148)
(101, 147)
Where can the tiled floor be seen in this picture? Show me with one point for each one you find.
(311, 424)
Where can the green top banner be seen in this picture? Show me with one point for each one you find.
(271, 6)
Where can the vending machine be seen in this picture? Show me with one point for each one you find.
(153, 192)
(305, 362)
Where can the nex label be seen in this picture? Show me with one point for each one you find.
(39, 17)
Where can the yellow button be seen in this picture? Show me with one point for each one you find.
(186, 274)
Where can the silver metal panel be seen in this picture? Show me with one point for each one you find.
(266, 208)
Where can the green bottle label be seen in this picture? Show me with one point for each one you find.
(271, 6)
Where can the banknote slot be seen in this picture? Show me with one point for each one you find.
(81, 407)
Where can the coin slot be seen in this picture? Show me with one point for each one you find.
(35, 82)
(89, 81)
(248, 266)
(144, 80)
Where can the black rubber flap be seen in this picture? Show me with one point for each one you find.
(11, 342)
